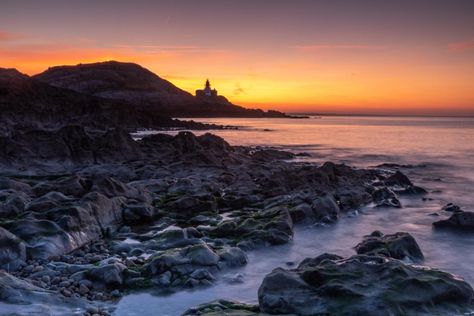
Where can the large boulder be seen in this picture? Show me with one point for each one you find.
(400, 246)
(109, 275)
(44, 238)
(202, 255)
(108, 212)
(363, 285)
(398, 179)
(189, 266)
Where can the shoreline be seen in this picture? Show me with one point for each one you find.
(173, 209)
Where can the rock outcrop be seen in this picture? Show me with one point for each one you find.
(460, 220)
(400, 246)
(368, 285)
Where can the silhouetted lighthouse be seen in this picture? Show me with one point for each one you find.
(207, 91)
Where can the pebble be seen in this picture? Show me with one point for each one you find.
(46, 279)
(66, 292)
(83, 289)
(116, 293)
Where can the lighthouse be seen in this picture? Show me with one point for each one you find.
(207, 91)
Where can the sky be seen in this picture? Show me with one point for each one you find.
(333, 56)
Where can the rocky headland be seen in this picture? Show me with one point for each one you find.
(88, 215)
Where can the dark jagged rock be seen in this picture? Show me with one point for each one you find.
(272, 226)
(450, 207)
(402, 185)
(398, 178)
(459, 220)
(223, 307)
(12, 251)
(385, 197)
(362, 285)
(400, 246)
(66, 146)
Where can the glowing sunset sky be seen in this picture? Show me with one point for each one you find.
(367, 56)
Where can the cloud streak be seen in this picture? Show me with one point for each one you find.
(7, 36)
(462, 46)
(318, 47)
(238, 89)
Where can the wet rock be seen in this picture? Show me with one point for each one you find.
(366, 285)
(109, 275)
(223, 307)
(301, 212)
(138, 213)
(325, 209)
(11, 184)
(450, 207)
(400, 246)
(164, 278)
(459, 220)
(398, 179)
(271, 226)
(402, 185)
(202, 255)
(233, 257)
(174, 238)
(385, 197)
(314, 262)
(48, 201)
(112, 187)
(188, 266)
(12, 251)
(13, 203)
(44, 238)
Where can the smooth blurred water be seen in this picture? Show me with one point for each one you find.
(441, 151)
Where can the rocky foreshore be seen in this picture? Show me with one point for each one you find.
(89, 215)
(374, 282)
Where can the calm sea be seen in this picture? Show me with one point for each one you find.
(438, 154)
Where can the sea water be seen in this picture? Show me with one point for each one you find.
(438, 154)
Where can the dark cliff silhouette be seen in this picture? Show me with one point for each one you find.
(134, 85)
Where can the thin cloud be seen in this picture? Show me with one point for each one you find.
(238, 89)
(316, 47)
(7, 36)
(462, 46)
(169, 48)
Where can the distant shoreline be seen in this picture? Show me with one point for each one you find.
(377, 115)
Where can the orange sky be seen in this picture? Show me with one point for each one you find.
(310, 56)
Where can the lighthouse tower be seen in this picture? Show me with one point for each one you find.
(207, 91)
